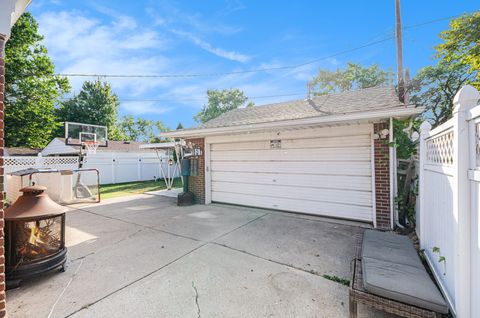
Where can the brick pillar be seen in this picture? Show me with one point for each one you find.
(197, 184)
(382, 177)
(2, 106)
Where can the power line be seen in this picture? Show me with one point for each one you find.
(266, 69)
(258, 70)
(127, 100)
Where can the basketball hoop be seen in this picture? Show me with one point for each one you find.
(91, 146)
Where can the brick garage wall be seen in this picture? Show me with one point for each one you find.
(197, 184)
(382, 178)
(2, 107)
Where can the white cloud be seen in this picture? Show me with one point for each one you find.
(142, 108)
(81, 44)
(232, 6)
(230, 55)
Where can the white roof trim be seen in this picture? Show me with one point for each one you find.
(321, 120)
(159, 145)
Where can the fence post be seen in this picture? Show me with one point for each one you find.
(139, 167)
(424, 131)
(38, 162)
(113, 160)
(466, 98)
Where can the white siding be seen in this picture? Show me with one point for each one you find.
(322, 171)
(56, 146)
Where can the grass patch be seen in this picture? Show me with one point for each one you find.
(130, 188)
(337, 279)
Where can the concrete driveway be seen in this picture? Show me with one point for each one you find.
(144, 256)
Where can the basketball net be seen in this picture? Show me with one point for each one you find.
(91, 146)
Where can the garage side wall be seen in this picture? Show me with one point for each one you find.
(382, 178)
(197, 184)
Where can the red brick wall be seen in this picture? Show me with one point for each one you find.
(382, 177)
(2, 249)
(197, 184)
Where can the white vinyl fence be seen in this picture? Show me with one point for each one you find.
(113, 167)
(449, 195)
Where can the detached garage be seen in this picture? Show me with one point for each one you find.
(327, 156)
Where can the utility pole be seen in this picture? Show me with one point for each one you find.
(400, 75)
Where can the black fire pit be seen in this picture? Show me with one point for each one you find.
(34, 236)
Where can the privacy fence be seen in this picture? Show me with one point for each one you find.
(448, 221)
(113, 167)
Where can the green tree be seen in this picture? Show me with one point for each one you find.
(354, 76)
(140, 129)
(434, 87)
(127, 128)
(222, 101)
(160, 127)
(95, 104)
(179, 126)
(31, 89)
(461, 44)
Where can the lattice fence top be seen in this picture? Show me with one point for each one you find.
(19, 163)
(60, 160)
(440, 149)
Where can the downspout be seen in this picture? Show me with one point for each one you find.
(393, 178)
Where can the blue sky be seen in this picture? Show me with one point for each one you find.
(185, 37)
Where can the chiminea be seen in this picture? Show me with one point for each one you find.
(34, 236)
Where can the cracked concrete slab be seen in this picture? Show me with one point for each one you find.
(207, 222)
(198, 221)
(126, 264)
(229, 284)
(322, 247)
(107, 270)
(86, 232)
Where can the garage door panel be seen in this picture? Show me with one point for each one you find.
(317, 154)
(310, 207)
(298, 134)
(320, 168)
(296, 193)
(359, 183)
(324, 142)
(321, 171)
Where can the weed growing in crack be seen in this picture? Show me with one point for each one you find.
(337, 279)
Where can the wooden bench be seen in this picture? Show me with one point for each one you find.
(358, 294)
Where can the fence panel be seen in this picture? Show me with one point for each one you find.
(474, 177)
(113, 167)
(449, 196)
(103, 162)
(437, 190)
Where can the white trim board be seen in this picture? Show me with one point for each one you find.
(342, 119)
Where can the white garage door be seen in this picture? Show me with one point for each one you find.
(325, 175)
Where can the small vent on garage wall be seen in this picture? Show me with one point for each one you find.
(276, 144)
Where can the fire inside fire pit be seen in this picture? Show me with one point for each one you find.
(34, 235)
(38, 239)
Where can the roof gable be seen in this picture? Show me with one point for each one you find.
(368, 99)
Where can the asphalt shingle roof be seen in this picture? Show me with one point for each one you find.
(21, 151)
(375, 98)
